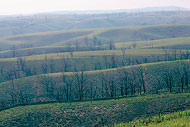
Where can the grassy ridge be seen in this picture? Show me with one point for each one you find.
(135, 52)
(124, 34)
(44, 38)
(176, 43)
(96, 113)
(178, 119)
(42, 23)
(169, 42)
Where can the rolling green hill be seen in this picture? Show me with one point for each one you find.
(97, 113)
(95, 70)
(42, 39)
(28, 86)
(169, 43)
(124, 34)
(42, 23)
(133, 52)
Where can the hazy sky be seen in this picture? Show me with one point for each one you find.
(32, 6)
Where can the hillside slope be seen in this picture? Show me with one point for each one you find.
(121, 34)
(35, 86)
(97, 113)
(54, 22)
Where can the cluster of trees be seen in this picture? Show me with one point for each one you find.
(87, 44)
(23, 68)
(78, 86)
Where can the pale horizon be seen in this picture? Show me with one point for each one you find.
(10, 7)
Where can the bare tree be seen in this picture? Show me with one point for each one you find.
(49, 85)
(13, 90)
(123, 76)
(100, 44)
(13, 49)
(21, 65)
(142, 75)
(102, 77)
(44, 66)
(51, 65)
(168, 78)
(134, 45)
(174, 53)
(113, 60)
(65, 63)
(166, 54)
(77, 45)
(111, 45)
(86, 41)
(95, 40)
(132, 81)
(106, 61)
(80, 80)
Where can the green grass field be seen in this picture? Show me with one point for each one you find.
(178, 119)
(96, 113)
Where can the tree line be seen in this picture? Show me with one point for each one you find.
(80, 86)
(22, 68)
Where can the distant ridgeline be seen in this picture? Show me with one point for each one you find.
(59, 21)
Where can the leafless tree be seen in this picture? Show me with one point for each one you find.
(123, 76)
(44, 66)
(134, 45)
(168, 78)
(77, 45)
(111, 45)
(113, 60)
(86, 41)
(142, 77)
(95, 40)
(13, 49)
(80, 80)
(106, 61)
(65, 63)
(49, 85)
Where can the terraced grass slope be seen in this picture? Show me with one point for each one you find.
(169, 43)
(133, 52)
(95, 113)
(41, 39)
(178, 119)
(124, 34)
(174, 43)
